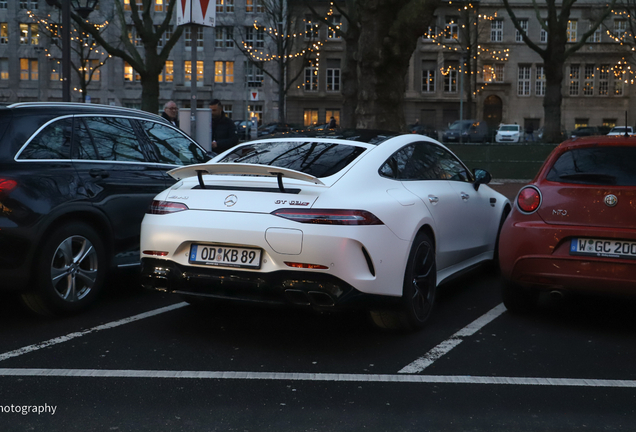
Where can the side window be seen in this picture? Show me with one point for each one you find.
(451, 168)
(171, 146)
(419, 161)
(53, 142)
(115, 139)
(84, 147)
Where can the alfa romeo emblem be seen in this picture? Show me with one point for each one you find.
(230, 200)
(611, 200)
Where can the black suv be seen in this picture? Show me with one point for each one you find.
(75, 182)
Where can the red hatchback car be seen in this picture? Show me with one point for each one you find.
(573, 228)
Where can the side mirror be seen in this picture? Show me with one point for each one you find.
(481, 177)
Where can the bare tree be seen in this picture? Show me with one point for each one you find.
(555, 53)
(148, 58)
(280, 50)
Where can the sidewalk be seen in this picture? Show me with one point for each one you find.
(508, 187)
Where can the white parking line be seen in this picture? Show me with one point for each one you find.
(68, 337)
(443, 348)
(273, 376)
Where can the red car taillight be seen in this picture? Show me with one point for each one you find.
(529, 199)
(165, 207)
(329, 217)
(7, 186)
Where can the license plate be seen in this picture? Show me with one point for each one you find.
(603, 248)
(225, 256)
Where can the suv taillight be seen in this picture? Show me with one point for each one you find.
(6, 186)
(165, 207)
(529, 199)
(329, 217)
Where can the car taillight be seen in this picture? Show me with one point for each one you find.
(7, 186)
(529, 199)
(165, 207)
(329, 217)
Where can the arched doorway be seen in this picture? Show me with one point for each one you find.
(493, 108)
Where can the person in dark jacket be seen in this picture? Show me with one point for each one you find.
(223, 130)
(171, 113)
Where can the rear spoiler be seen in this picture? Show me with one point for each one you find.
(199, 170)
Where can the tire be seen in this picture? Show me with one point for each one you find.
(70, 271)
(418, 290)
(517, 299)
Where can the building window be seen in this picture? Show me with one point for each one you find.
(543, 37)
(618, 87)
(620, 28)
(4, 69)
(28, 69)
(256, 111)
(55, 70)
(130, 74)
(603, 80)
(158, 5)
(188, 37)
(312, 31)
(523, 83)
(574, 80)
(3, 4)
(581, 122)
(254, 74)
(523, 23)
(134, 37)
(588, 80)
(539, 87)
(223, 72)
(139, 3)
(609, 122)
(311, 78)
(254, 38)
(29, 34)
(224, 6)
(450, 80)
(450, 30)
(333, 79)
(167, 74)
(92, 72)
(187, 65)
(430, 34)
(24, 4)
(572, 27)
(227, 109)
(496, 31)
(224, 37)
(249, 6)
(335, 24)
(4, 33)
(310, 117)
(493, 73)
(428, 80)
(597, 35)
(335, 113)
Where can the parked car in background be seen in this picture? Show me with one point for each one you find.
(573, 228)
(466, 131)
(273, 128)
(75, 182)
(426, 130)
(358, 220)
(243, 129)
(621, 130)
(509, 133)
(590, 131)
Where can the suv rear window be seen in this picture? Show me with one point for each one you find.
(318, 159)
(601, 165)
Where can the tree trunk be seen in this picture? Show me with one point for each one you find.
(150, 92)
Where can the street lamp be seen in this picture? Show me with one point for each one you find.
(83, 9)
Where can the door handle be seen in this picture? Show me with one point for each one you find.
(433, 199)
(98, 173)
(464, 196)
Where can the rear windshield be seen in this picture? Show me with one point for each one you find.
(318, 159)
(596, 166)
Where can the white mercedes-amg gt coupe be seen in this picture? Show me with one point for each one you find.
(358, 219)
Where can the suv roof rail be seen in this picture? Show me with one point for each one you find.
(74, 104)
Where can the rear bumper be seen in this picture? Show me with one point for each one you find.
(536, 254)
(315, 290)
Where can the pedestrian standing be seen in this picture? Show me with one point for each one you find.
(530, 132)
(223, 130)
(171, 113)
